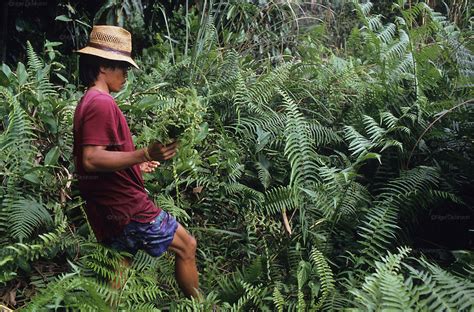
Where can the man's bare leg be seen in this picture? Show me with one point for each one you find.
(184, 247)
(124, 264)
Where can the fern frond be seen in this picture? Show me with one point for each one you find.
(167, 203)
(405, 66)
(386, 288)
(20, 130)
(322, 136)
(358, 144)
(302, 275)
(373, 129)
(441, 290)
(278, 300)
(251, 195)
(388, 33)
(41, 246)
(379, 228)
(26, 216)
(298, 148)
(266, 87)
(70, 290)
(228, 73)
(272, 124)
(104, 262)
(420, 179)
(278, 199)
(233, 286)
(325, 276)
(40, 72)
(398, 49)
(34, 62)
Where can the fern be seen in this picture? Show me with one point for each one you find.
(43, 246)
(208, 303)
(252, 196)
(388, 33)
(386, 288)
(104, 262)
(40, 72)
(279, 199)
(425, 287)
(359, 145)
(380, 138)
(323, 136)
(441, 290)
(228, 70)
(266, 87)
(234, 286)
(264, 176)
(20, 130)
(298, 149)
(70, 290)
(34, 62)
(278, 300)
(168, 204)
(325, 275)
(302, 276)
(379, 228)
(27, 215)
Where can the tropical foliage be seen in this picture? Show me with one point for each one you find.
(301, 172)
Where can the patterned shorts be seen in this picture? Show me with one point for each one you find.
(153, 237)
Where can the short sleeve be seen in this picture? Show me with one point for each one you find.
(100, 122)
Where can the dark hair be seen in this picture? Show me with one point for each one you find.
(89, 67)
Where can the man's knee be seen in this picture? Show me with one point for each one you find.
(192, 245)
(189, 250)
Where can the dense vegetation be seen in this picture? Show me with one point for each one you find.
(304, 179)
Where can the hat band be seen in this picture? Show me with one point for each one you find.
(108, 49)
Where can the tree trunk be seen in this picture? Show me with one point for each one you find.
(3, 38)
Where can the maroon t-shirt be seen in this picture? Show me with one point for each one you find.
(113, 199)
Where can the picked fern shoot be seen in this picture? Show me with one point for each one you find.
(177, 117)
(172, 118)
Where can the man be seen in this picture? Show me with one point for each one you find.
(109, 169)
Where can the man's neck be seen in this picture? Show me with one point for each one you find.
(100, 86)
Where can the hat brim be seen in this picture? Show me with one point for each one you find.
(108, 55)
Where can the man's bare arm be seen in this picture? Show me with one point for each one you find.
(97, 158)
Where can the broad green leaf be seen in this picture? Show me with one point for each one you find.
(21, 73)
(6, 70)
(4, 81)
(52, 157)
(5, 260)
(263, 137)
(63, 18)
(203, 132)
(33, 178)
(52, 44)
(50, 122)
(62, 78)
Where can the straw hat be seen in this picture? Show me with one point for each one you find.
(110, 42)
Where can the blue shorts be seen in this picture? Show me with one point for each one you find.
(153, 237)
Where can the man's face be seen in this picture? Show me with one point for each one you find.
(115, 77)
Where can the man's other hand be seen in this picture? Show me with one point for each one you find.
(149, 166)
(162, 152)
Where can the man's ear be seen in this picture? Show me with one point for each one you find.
(102, 69)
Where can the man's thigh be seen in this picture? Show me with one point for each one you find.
(153, 237)
(183, 243)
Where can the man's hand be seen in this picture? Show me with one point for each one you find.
(149, 166)
(158, 151)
